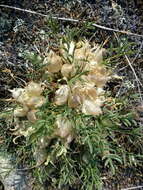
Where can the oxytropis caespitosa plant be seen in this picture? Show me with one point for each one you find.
(84, 75)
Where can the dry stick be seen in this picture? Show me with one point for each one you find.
(72, 20)
(133, 188)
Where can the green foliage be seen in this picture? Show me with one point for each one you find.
(117, 53)
(108, 141)
(79, 32)
(37, 66)
(53, 26)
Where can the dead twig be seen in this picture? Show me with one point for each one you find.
(133, 188)
(72, 20)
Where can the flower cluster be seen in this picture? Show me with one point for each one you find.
(30, 99)
(80, 65)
